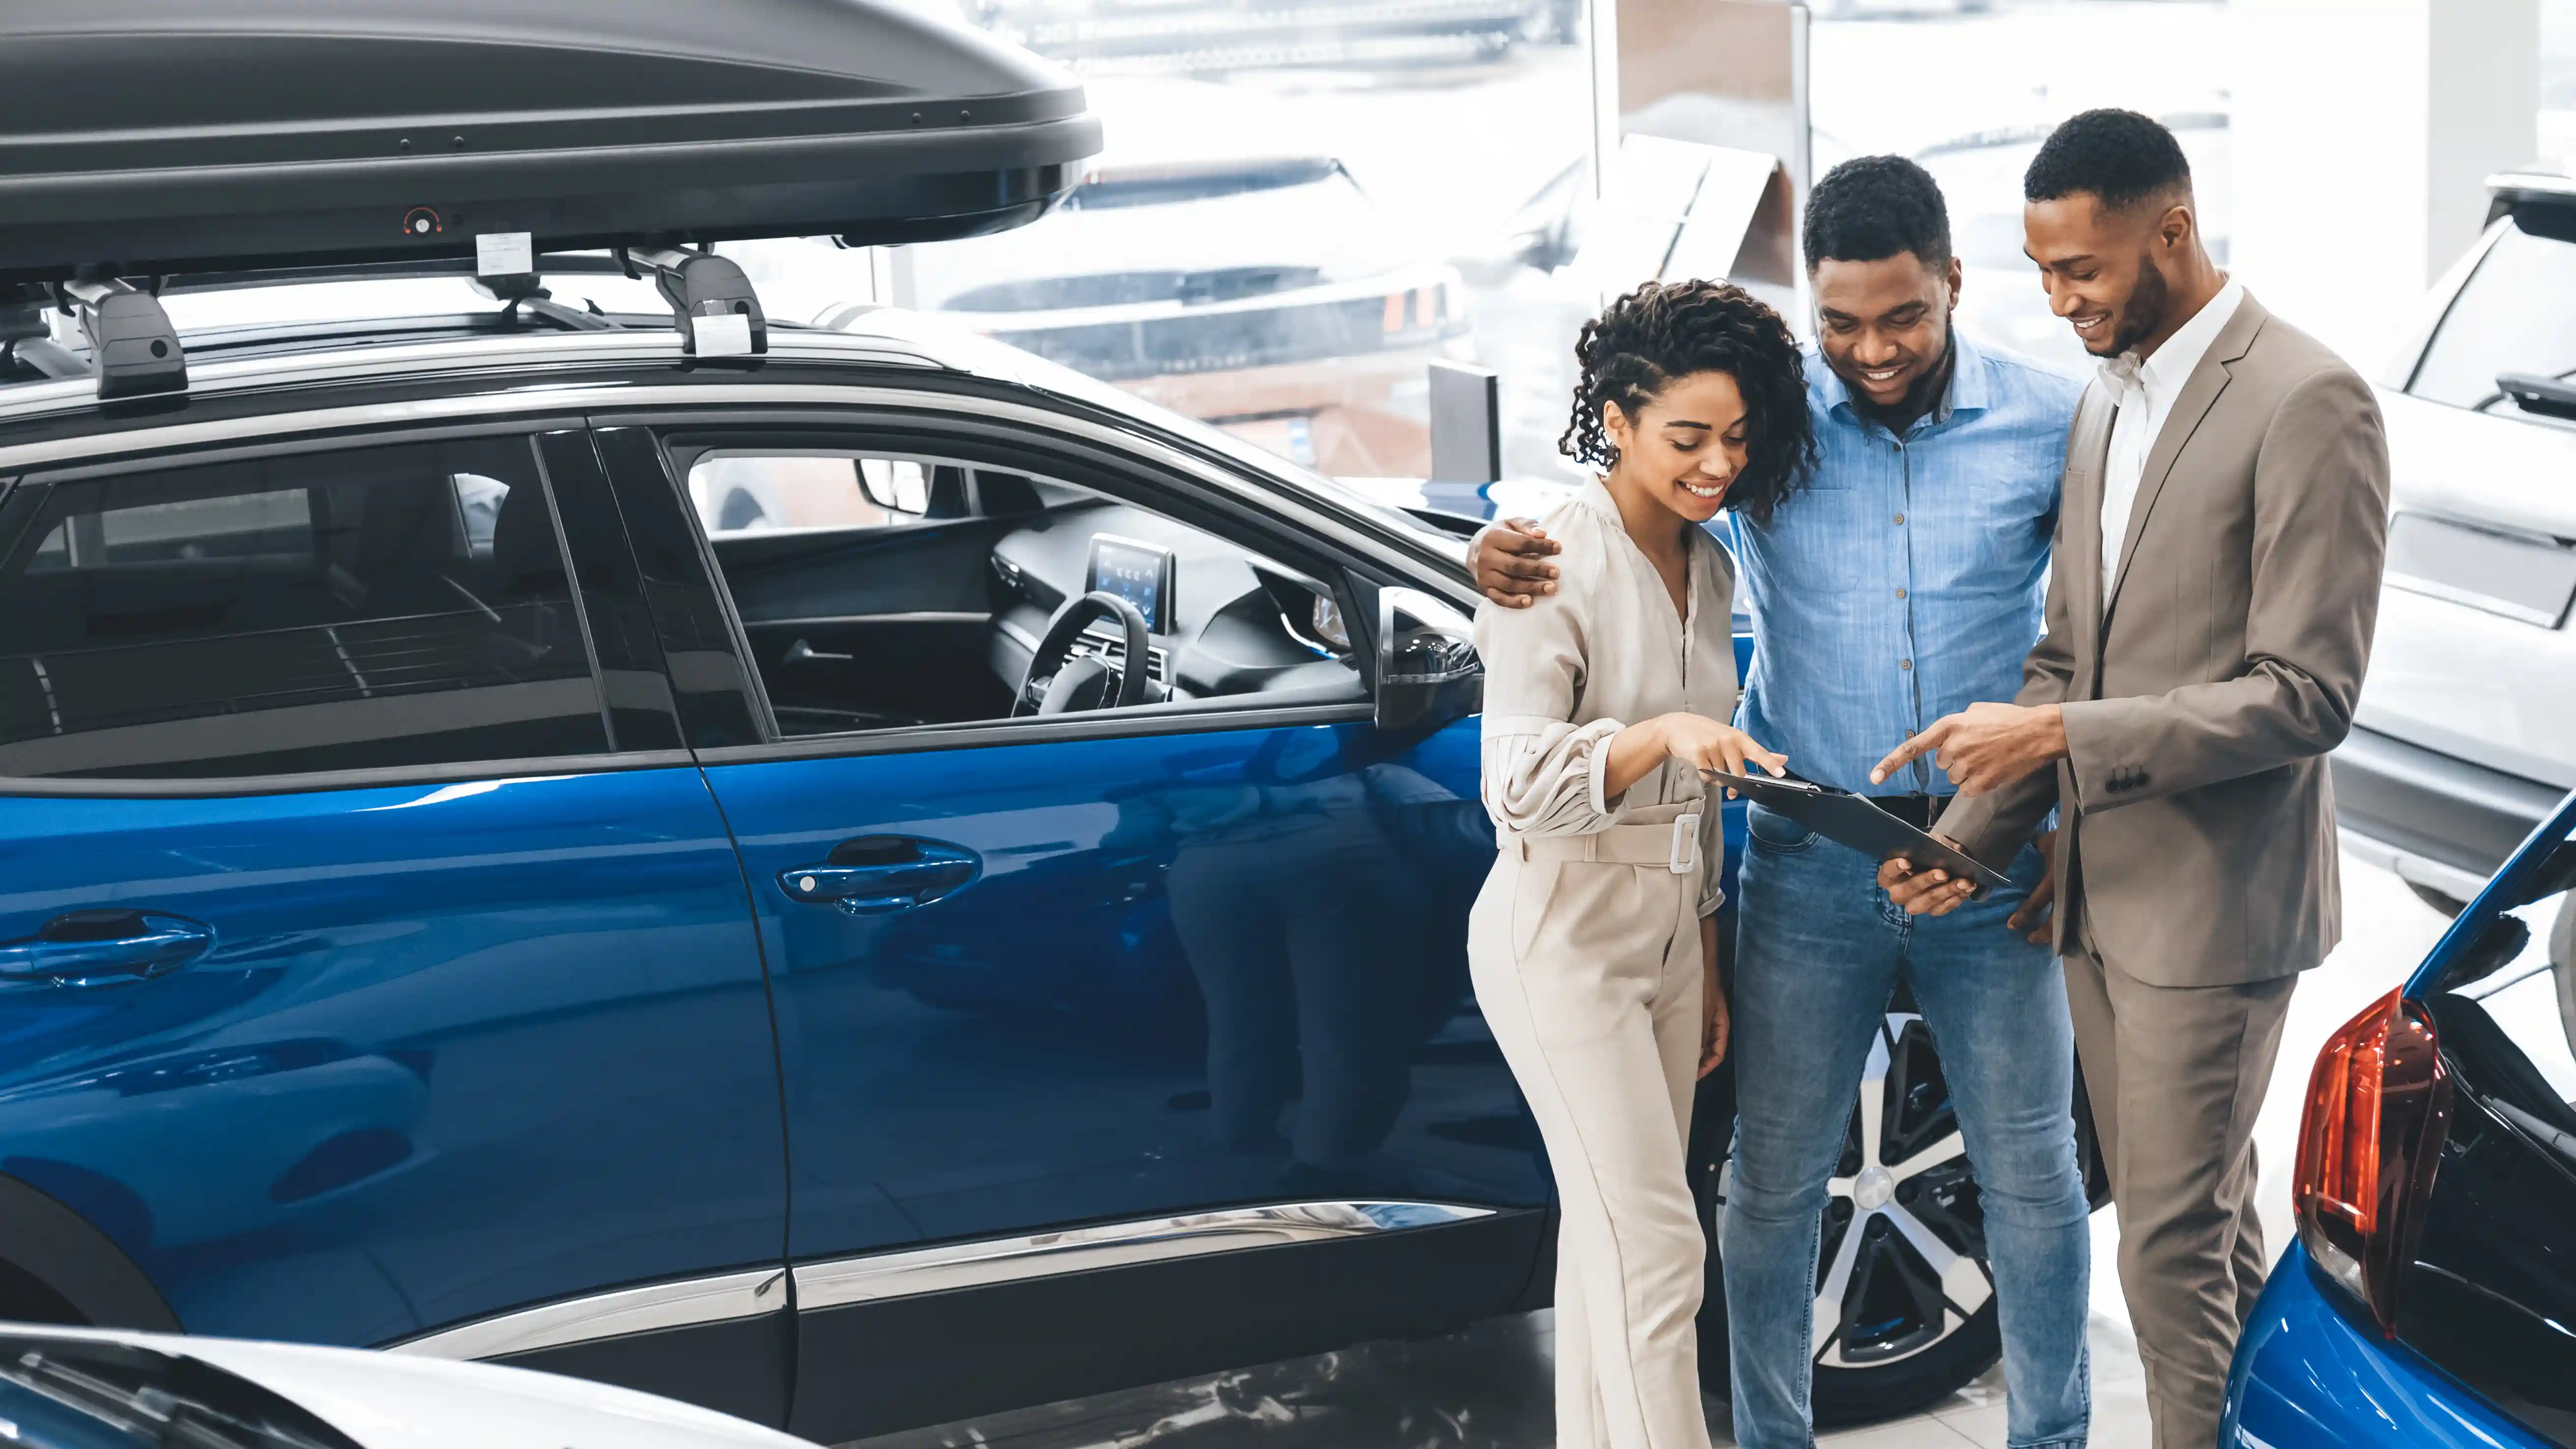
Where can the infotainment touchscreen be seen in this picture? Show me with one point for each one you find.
(1140, 573)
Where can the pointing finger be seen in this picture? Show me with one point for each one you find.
(1908, 752)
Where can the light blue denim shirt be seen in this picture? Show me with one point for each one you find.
(1906, 580)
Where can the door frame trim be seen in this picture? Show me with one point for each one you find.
(986, 1261)
(909, 1273)
(681, 1303)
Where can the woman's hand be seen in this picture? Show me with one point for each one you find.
(1702, 743)
(1717, 1025)
(1694, 740)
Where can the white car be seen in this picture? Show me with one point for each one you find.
(2466, 735)
(66, 1388)
(1203, 269)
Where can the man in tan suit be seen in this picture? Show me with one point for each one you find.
(2212, 591)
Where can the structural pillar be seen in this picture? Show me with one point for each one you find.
(2363, 134)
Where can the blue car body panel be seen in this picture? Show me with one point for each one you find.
(1183, 956)
(2309, 1377)
(454, 1048)
(2310, 1371)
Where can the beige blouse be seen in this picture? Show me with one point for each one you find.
(1604, 651)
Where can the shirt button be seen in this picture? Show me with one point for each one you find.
(1905, 664)
(1900, 593)
(1900, 518)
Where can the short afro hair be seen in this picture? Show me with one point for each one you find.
(2120, 158)
(1665, 331)
(1874, 207)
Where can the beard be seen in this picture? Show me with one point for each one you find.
(2143, 315)
(1921, 395)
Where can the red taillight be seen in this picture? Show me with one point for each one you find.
(2378, 1110)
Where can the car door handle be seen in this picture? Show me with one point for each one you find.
(95, 948)
(877, 874)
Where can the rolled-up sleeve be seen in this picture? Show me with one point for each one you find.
(1542, 772)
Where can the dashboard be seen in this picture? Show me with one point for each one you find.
(1221, 621)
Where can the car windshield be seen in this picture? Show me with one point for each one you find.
(1249, 457)
(71, 1393)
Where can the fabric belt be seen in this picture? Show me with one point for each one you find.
(1672, 844)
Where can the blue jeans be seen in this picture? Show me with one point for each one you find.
(1819, 950)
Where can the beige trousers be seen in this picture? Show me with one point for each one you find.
(1589, 975)
(2177, 1075)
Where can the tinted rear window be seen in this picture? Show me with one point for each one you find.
(2517, 314)
(377, 607)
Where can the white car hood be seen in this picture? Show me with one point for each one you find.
(391, 1401)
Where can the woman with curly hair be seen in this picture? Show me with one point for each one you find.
(1594, 942)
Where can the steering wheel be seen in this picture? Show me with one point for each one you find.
(1090, 682)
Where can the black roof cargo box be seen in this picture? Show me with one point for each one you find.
(155, 137)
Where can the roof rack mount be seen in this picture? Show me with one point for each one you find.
(712, 301)
(133, 350)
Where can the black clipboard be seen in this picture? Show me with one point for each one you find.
(1850, 819)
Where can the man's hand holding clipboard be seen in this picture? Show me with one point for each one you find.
(1852, 820)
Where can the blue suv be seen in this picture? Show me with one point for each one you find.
(839, 872)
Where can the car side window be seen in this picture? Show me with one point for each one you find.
(857, 623)
(375, 607)
(2516, 314)
(751, 492)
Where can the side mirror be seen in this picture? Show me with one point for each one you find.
(1428, 674)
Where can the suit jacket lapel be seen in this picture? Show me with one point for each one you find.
(2199, 394)
(2088, 453)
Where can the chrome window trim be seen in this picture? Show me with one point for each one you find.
(984, 1262)
(389, 776)
(1201, 717)
(880, 1277)
(688, 1303)
(596, 397)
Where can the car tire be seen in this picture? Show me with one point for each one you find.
(1904, 1362)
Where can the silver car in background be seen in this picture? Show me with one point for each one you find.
(2466, 736)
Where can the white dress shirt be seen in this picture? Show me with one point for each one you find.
(2145, 392)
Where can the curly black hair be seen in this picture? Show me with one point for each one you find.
(1872, 207)
(1664, 331)
(2119, 157)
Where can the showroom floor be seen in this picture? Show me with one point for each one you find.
(1488, 1387)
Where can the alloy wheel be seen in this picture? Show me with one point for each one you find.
(1901, 1260)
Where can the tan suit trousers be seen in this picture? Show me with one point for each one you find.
(2177, 1075)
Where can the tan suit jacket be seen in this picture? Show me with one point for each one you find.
(2203, 688)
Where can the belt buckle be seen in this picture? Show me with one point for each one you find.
(1684, 855)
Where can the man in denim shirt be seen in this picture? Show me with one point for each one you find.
(1904, 582)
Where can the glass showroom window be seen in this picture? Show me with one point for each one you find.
(1281, 235)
